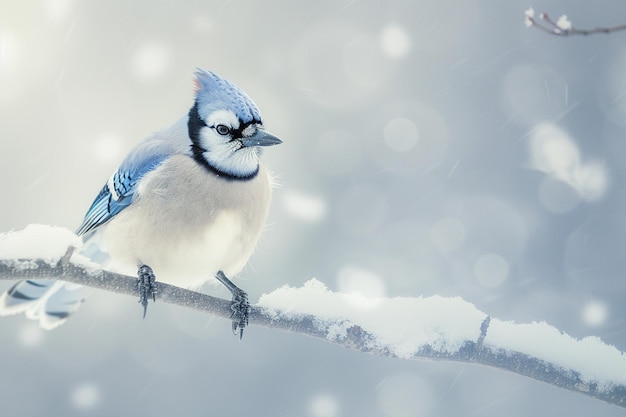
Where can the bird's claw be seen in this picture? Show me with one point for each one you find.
(240, 311)
(147, 285)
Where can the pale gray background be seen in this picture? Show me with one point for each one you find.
(407, 130)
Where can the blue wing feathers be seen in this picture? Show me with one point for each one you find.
(124, 184)
(98, 213)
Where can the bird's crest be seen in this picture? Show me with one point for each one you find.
(216, 93)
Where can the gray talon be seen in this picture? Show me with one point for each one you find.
(147, 285)
(240, 306)
(240, 310)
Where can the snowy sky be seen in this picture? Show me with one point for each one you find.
(430, 148)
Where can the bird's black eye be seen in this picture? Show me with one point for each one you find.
(222, 130)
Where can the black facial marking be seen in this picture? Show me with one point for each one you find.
(194, 125)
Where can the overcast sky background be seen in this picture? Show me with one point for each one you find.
(429, 148)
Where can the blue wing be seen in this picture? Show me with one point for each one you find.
(119, 191)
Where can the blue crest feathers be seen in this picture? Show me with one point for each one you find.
(214, 92)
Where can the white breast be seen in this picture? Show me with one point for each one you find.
(188, 223)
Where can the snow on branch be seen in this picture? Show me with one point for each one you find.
(436, 328)
(562, 27)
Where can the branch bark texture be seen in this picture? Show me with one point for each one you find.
(355, 337)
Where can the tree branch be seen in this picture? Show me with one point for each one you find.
(341, 331)
(563, 27)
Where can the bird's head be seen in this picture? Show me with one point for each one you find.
(225, 128)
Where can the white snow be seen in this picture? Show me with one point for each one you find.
(593, 359)
(563, 23)
(530, 12)
(403, 324)
(529, 15)
(37, 241)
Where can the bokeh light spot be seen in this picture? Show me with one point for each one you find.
(8, 53)
(57, 9)
(595, 313)
(323, 405)
(448, 234)
(555, 153)
(30, 335)
(108, 148)
(352, 279)
(395, 41)
(401, 134)
(306, 207)
(405, 395)
(491, 270)
(150, 61)
(86, 396)
(415, 137)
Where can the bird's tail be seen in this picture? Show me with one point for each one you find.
(49, 301)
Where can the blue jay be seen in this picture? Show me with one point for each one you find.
(186, 204)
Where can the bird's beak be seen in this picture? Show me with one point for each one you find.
(261, 138)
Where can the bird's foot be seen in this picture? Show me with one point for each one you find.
(240, 306)
(240, 310)
(147, 285)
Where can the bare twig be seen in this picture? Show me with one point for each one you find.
(356, 338)
(563, 27)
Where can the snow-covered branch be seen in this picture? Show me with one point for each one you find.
(562, 26)
(435, 328)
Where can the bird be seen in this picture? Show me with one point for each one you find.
(188, 203)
